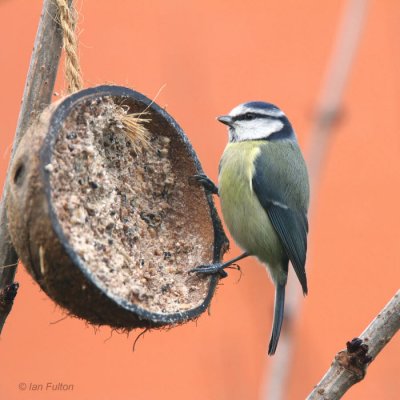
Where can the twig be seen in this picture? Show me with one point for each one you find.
(328, 112)
(349, 366)
(329, 109)
(37, 95)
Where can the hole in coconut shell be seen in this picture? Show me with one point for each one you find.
(19, 174)
(127, 213)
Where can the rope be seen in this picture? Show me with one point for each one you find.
(68, 18)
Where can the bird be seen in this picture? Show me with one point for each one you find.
(264, 193)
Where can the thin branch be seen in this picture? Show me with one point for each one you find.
(329, 109)
(350, 366)
(328, 112)
(37, 95)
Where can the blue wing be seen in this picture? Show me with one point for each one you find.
(285, 200)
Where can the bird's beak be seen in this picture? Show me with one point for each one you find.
(225, 119)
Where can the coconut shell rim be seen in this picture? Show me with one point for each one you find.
(58, 117)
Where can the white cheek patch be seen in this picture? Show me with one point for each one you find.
(257, 129)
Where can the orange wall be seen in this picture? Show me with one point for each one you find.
(213, 55)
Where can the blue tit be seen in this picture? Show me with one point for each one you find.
(264, 193)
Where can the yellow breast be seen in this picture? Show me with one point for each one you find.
(243, 214)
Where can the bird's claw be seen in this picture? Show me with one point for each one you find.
(206, 182)
(211, 269)
(235, 266)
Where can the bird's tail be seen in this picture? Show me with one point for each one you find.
(278, 318)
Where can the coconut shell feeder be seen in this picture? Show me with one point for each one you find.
(109, 229)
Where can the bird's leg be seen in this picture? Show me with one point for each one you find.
(217, 268)
(207, 183)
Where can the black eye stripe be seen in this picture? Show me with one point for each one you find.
(253, 115)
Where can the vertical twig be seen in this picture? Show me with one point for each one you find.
(350, 366)
(328, 112)
(329, 108)
(37, 95)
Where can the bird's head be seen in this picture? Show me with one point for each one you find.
(257, 120)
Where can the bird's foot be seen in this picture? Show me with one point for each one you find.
(218, 268)
(206, 182)
(211, 269)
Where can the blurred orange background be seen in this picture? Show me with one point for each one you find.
(213, 55)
